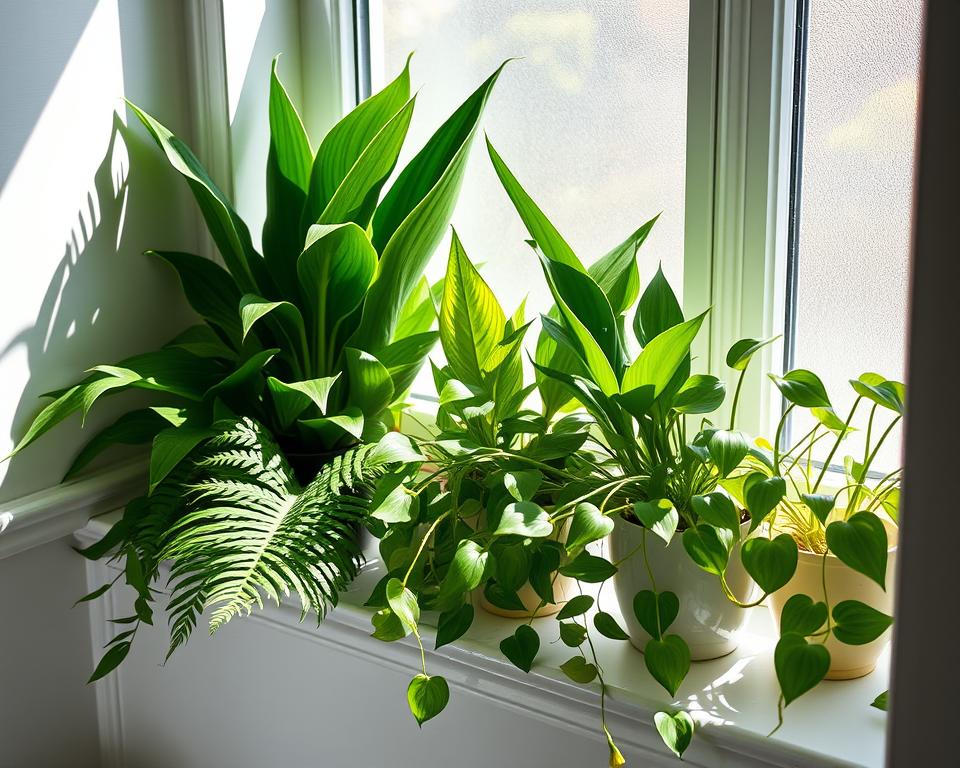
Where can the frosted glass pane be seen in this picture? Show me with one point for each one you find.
(592, 121)
(858, 134)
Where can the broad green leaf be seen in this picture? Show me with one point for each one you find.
(387, 627)
(857, 623)
(658, 310)
(204, 340)
(394, 448)
(668, 661)
(503, 598)
(513, 566)
(578, 670)
(659, 517)
(543, 572)
(589, 568)
(828, 417)
(608, 627)
(587, 525)
(413, 216)
(802, 616)
(803, 388)
(718, 510)
(344, 144)
(727, 449)
(418, 313)
(575, 606)
(521, 647)
(616, 271)
(453, 624)
(170, 447)
(708, 547)
(572, 634)
(336, 269)
(427, 696)
(524, 518)
(110, 660)
(771, 562)
(249, 370)
(471, 319)
(800, 665)
(404, 604)
(676, 730)
(288, 178)
(226, 228)
(333, 428)
(287, 331)
(405, 357)
(522, 485)
(886, 393)
(131, 428)
(699, 394)
(655, 611)
(861, 544)
(655, 367)
(881, 701)
(209, 289)
(762, 498)
(821, 504)
(392, 502)
(293, 398)
(370, 386)
(740, 354)
(466, 572)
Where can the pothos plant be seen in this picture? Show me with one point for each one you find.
(270, 419)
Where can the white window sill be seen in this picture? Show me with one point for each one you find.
(733, 699)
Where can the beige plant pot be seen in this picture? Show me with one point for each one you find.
(843, 583)
(707, 621)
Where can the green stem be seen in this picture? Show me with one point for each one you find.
(836, 445)
(776, 439)
(423, 544)
(736, 399)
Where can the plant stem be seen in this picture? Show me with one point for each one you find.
(736, 399)
(843, 434)
(423, 544)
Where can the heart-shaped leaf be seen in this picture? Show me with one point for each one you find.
(466, 571)
(404, 604)
(659, 517)
(589, 568)
(738, 356)
(821, 504)
(861, 544)
(668, 660)
(575, 607)
(727, 450)
(543, 571)
(608, 627)
(587, 525)
(453, 624)
(572, 634)
(578, 670)
(513, 566)
(676, 730)
(505, 599)
(655, 612)
(802, 616)
(762, 498)
(427, 696)
(521, 647)
(699, 394)
(708, 547)
(522, 485)
(771, 562)
(856, 623)
(524, 518)
(800, 665)
(886, 393)
(717, 509)
(803, 388)
(387, 626)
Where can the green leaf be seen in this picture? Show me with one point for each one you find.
(524, 518)
(881, 701)
(668, 660)
(288, 178)
(572, 634)
(657, 311)
(131, 428)
(94, 595)
(587, 525)
(676, 730)
(659, 517)
(762, 498)
(413, 217)
(708, 547)
(453, 624)
(857, 623)
(861, 544)
(803, 388)
(802, 616)
(589, 568)
(341, 149)
(111, 660)
(578, 670)
(209, 289)
(471, 319)
(727, 450)
(405, 357)
(466, 572)
(655, 367)
(332, 429)
(739, 355)
(521, 647)
(502, 597)
(513, 567)
(771, 562)
(170, 447)
(608, 627)
(821, 504)
(522, 485)
(394, 448)
(575, 606)
(800, 665)
(371, 388)
(427, 697)
(387, 626)
(543, 570)
(885, 393)
(248, 371)
(717, 509)
(293, 398)
(404, 604)
(616, 271)
(699, 394)
(655, 611)
(419, 311)
(392, 502)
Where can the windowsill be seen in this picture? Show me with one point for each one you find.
(733, 699)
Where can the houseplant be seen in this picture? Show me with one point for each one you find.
(271, 416)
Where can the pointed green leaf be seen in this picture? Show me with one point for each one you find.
(676, 730)
(802, 616)
(572, 634)
(578, 670)
(668, 660)
(727, 449)
(800, 665)
(881, 701)
(658, 310)
(427, 697)
(885, 393)
(453, 624)
(699, 394)
(524, 518)
(739, 355)
(821, 504)
(131, 428)
(404, 604)
(771, 562)
(708, 547)
(608, 627)
(111, 660)
(370, 387)
(659, 517)
(857, 623)
(861, 544)
(575, 606)
(589, 568)
(170, 447)
(587, 525)
(293, 398)
(466, 572)
(718, 510)
(521, 647)
(762, 497)
(616, 271)
(655, 611)
(803, 388)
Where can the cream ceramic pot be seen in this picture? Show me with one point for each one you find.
(707, 621)
(843, 583)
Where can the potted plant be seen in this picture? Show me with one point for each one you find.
(271, 417)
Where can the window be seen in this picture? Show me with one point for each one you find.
(852, 199)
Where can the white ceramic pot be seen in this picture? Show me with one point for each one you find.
(843, 583)
(707, 621)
